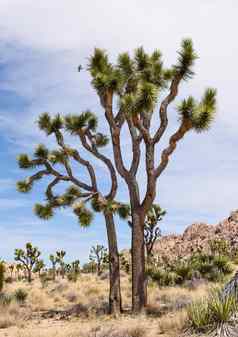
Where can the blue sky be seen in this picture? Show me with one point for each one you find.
(41, 47)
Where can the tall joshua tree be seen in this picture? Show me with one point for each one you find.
(28, 258)
(129, 93)
(58, 165)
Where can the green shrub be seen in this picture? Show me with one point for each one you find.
(184, 271)
(5, 299)
(73, 277)
(20, 295)
(223, 264)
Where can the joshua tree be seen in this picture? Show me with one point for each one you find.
(28, 258)
(60, 259)
(129, 93)
(76, 266)
(53, 260)
(57, 164)
(39, 266)
(18, 269)
(11, 268)
(151, 229)
(97, 255)
(2, 272)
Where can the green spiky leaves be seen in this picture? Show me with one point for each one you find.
(123, 210)
(205, 113)
(75, 123)
(50, 124)
(24, 186)
(187, 56)
(44, 212)
(85, 216)
(200, 114)
(41, 152)
(24, 162)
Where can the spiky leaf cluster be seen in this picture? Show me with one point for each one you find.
(75, 123)
(44, 212)
(41, 152)
(50, 124)
(200, 114)
(105, 76)
(187, 56)
(24, 186)
(85, 216)
(24, 162)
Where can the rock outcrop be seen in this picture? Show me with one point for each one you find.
(196, 238)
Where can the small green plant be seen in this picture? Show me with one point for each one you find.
(198, 315)
(5, 299)
(20, 295)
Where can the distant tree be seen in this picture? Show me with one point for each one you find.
(76, 266)
(60, 259)
(54, 261)
(89, 267)
(28, 258)
(98, 254)
(11, 268)
(19, 268)
(39, 266)
(151, 229)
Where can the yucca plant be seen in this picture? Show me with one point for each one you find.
(222, 311)
(20, 295)
(198, 316)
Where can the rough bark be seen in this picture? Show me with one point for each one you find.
(139, 299)
(115, 302)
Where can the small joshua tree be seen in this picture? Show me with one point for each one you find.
(2, 272)
(76, 266)
(54, 261)
(11, 268)
(98, 254)
(19, 268)
(39, 266)
(28, 258)
(60, 259)
(151, 229)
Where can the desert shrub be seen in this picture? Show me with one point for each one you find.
(20, 295)
(223, 264)
(5, 299)
(184, 271)
(8, 280)
(72, 277)
(219, 247)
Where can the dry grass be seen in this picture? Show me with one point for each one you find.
(166, 308)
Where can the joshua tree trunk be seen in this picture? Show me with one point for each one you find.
(29, 278)
(138, 262)
(115, 303)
